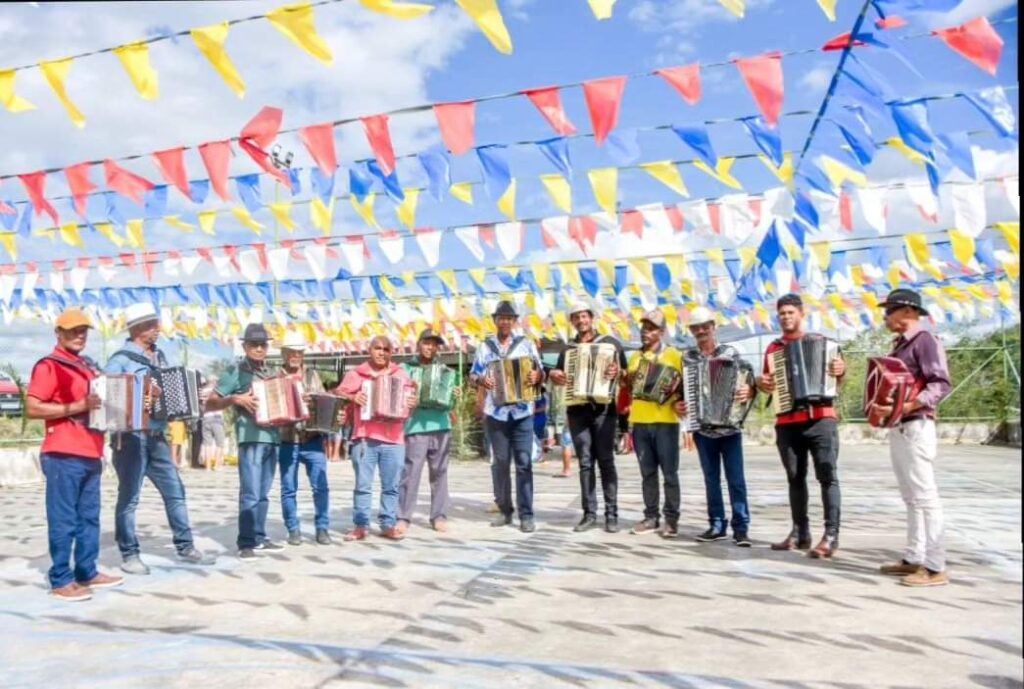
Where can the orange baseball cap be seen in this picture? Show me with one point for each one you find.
(73, 318)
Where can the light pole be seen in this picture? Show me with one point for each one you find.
(282, 160)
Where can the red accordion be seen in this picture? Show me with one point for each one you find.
(889, 383)
(280, 401)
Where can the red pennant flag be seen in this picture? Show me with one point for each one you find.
(845, 212)
(124, 182)
(486, 234)
(840, 42)
(603, 99)
(633, 223)
(755, 209)
(149, 260)
(763, 76)
(583, 230)
(380, 141)
(6, 208)
(715, 214)
(80, 184)
(205, 254)
(675, 216)
(232, 253)
(59, 266)
(685, 80)
(35, 184)
(127, 260)
(977, 41)
(319, 141)
(323, 241)
(261, 254)
(257, 136)
(549, 102)
(891, 22)
(457, 122)
(83, 262)
(172, 166)
(216, 157)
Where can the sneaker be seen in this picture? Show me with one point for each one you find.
(900, 569)
(295, 537)
(645, 526)
(588, 522)
(611, 524)
(925, 577)
(712, 534)
(246, 554)
(440, 525)
(502, 520)
(192, 556)
(133, 564)
(268, 544)
(323, 537)
(392, 533)
(357, 534)
(669, 531)
(103, 581)
(741, 539)
(527, 526)
(72, 593)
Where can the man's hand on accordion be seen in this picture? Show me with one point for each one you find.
(679, 407)
(412, 399)
(248, 402)
(613, 371)
(837, 367)
(558, 377)
(151, 396)
(766, 384)
(743, 393)
(535, 377)
(488, 382)
(88, 403)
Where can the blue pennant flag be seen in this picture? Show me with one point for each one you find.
(816, 178)
(199, 189)
(25, 221)
(322, 185)
(957, 147)
(378, 289)
(732, 266)
(697, 139)
(557, 151)
(623, 147)
(903, 7)
(497, 175)
(796, 230)
(770, 247)
(202, 291)
(662, 276)
(392, 187)
(985, 254)
(702, 271)
(621, 278)
(870, 78)
(911, 118)
(837, 264)
(295, 180)
(248, 188)
(9, 219)
(935, 175)
(856, 132)
(356, 285)
(266, 291)
(591, 283)
(768, 139)
(179, 293)
(507, 279)
(805, 210)
(438, 170)
(424, 283)
(241, 295)
(112, 212)
(359, 184)
(994, 106)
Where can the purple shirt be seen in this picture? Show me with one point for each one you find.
(923, 354)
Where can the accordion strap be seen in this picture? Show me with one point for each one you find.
(140, 359)
(493, 345)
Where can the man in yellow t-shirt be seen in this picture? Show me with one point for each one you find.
(656, 431)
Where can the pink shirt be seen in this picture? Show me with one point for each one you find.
(385, 431)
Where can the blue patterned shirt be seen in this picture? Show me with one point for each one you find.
(519, 348)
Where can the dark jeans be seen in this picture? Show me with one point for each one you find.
(256, 465)
(657, 447)
(820, 439)
(593, 436)
(715, 453)
(311, 455)
(72, 516)
(138, 456)
(512, 440)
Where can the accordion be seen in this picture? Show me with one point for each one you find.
(280, 401)
(586, 370)
(654, 382)
(123, 407)
(435, 386)
(512, 381)
(800, 371)
(889, 383)
(710, 387)
(324, 413)
(179, 394)
(387, 397)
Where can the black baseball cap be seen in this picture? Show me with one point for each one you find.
(429, 334)
(255, 333)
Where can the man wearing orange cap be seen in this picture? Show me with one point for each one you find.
(71, 458)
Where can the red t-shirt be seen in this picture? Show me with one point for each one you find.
(821, 411)
(64, 384)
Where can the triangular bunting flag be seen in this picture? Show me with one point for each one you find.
(298, 24)
(457, 122)
(603, 98)
(135, 60)
(210, 41)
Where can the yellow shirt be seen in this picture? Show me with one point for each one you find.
(642, 411)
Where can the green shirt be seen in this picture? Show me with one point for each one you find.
(235, 381)
(426, 420)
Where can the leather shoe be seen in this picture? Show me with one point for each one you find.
(588, 522)
(826, 547)
(359, 533)
(900, 569)
(794, 541)
(502, 520)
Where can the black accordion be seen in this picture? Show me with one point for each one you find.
(801, 373)
(710, 387)
(179, 394)
(654, 382)
(324, 414)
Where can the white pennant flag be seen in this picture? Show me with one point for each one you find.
(222, 264)
(783, 277)
(277, 261)
(1011, 186)
(249, 265)
(28, 285)
(658, 227)
(189, 263)
(7, 285)
(392, 245)
(927, 204)
(316, 257)
(352, 250)
(79, 275)
(779, 203)
(817, 281)
(725, 291)
(57, 281)
(429, 242)
(969, 208)
(172, 266)
(542, 304)
(874, 206)
(470, 237)
(698, 215)
(556, 231)
(509, 236)
(736, 218)
(829, 220)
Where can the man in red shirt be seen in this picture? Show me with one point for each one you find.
(71, 458)
(808, 429)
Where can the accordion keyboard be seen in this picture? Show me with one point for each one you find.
(691, 393)
(782, 398)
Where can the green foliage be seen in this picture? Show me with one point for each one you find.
(467, 431)
(10, 370)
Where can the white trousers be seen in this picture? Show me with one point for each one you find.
(912, 447)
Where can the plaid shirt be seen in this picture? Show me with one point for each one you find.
(485, 355)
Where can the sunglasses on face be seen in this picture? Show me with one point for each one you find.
(257, 345)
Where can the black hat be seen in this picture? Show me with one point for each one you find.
(255, 333)
(904, 297)
(505, 308)
(429, 334)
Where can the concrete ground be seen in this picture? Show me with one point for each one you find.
(487, 607)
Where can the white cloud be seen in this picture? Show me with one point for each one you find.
(817, 79)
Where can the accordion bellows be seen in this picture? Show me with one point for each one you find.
(511, 381)
(435, 386)
(710, 387)
(586, 371)
(324, 413)
(280, 401)
(387, 398)
(889, 383)
(800, 371)
(654, 382)
(123, 407)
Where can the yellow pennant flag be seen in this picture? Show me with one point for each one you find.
(365, 208)
(8, 98)
(1012, 269)
(463, 191)
(963, 246)
(134, 58)
(9, 243)
(447, 277)
(979, 293)
(1011, 231)
(243, 217)
(917, 250)
(541, 274)
(478, 275)
(207, 220)
(571, 275)
(107, 230)
(829, 320)
(747, 255)
(56, 72)
(605, 183)
(895, 276)
(606, 267)
(737, 7)
(822, 252)
(668, 174)
(403, 10)
(838, 173)
(722, 171)
(210, 41)
(642, 267)
(784, 173)
(857, 274)
(1005, 293)
(870, 300)
(178, 224)
(676, 264)
(507, 202)
(406, 210)
(560, 190)
(912, 155)
(829, 8)
(717, 256)
(69, 234)
(602, 9)
(487, 16)
(321, 214)
(282, 213)
(298, 24)
(135, 232)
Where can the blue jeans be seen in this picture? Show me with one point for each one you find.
(512, 440)
(714, 453)
(368, 457)
(146, 455)
(72, 516)
(256, 464)
(311, 454)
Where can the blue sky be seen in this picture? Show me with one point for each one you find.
(381, 64)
